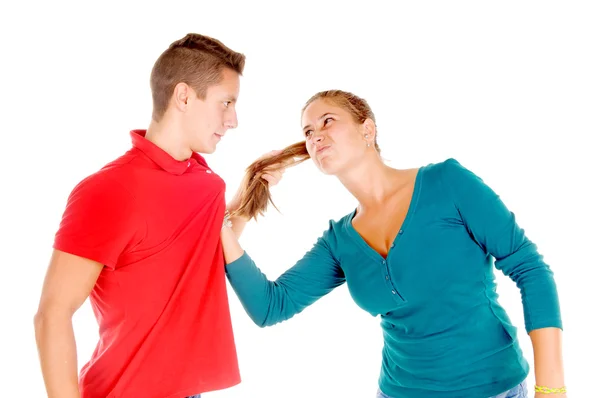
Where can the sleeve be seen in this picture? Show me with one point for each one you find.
(495, 230)
(270, 302)
(100, 221)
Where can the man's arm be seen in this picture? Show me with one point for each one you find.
(69, 281)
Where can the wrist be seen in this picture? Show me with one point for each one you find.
(233, 205)
(227, 220)
(550, 390)
(236, 201)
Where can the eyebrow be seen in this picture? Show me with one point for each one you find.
(320, 118)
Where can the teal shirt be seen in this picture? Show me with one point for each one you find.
(445, 334)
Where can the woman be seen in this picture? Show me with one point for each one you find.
(418, 250)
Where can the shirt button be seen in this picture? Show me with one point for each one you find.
(387, 277)
(401, 232)
(383, 261)
(393, 292)
(208, 171)
(188, 165)
(393, 244)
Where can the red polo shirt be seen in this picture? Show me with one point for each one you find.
(161, 300)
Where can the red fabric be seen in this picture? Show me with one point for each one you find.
(161, 299)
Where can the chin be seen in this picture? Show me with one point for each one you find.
(209, 151)
(206, 149)
(328, 168)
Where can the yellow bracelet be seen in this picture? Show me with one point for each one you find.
(548, 390)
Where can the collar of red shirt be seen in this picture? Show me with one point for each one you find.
(161, 157)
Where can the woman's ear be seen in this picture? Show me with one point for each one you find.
(369, 130)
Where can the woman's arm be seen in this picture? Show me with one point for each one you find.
(270, 302)
(547, 351)
(494, 228)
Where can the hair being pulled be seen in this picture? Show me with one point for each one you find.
(256, 196)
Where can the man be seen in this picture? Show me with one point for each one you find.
(140, 237)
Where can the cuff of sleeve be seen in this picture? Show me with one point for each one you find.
(87, 253)
(547, 323)
(238, 265)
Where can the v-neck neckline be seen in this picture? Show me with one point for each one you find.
(409, 214)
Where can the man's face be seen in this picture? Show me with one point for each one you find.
(207, 120)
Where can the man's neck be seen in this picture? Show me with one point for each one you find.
(168, 136)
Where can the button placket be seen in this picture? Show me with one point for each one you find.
(388, 278)
(389, 281)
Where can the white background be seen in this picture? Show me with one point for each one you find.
(510, 89)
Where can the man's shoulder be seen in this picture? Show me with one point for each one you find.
(121, 166)
(113, 178)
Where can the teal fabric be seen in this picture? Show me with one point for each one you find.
(445, 334)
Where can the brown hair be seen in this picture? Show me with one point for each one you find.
(196, 60)
(256, 195)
